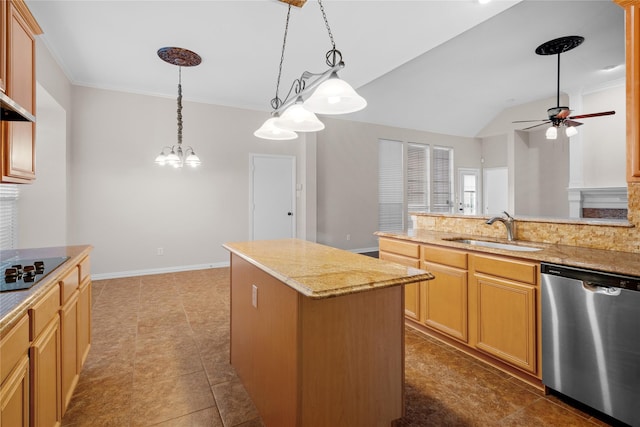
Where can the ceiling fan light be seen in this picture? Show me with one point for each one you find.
(298, 119)
(552, 133)
(571, 131)
(269, 130)
(335, 96)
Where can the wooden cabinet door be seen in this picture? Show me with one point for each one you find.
(84, 324)
(506, 321)
(18, 164)
(14, 396)
(412, 290)
(45, 377)
(69, 344)
(445, 301)
(3, 46)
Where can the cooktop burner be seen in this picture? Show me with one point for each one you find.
(24, 273)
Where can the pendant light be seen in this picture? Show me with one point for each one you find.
(332, 95)
(175, 156)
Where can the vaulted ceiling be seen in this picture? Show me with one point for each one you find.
(441, 66)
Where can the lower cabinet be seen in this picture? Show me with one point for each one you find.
(45, 377)
(486, 305)
(14, 375)
(405, 253)
(506, 310)
(84, 323)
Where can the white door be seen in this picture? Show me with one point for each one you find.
(496, 190)
(272, 197)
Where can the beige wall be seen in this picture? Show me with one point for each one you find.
(348, 176)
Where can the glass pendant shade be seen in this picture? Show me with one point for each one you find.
(192, 160)
(161, 159)
(298, 119)
(335, 96)
(552, 133)
(571, 131)
(269, 130)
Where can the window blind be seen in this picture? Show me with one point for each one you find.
(417, 178)
(9, 216)
(442, 187)
(390, 185)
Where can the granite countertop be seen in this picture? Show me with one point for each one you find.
(319, 271)
(627, 263)
(14, 304)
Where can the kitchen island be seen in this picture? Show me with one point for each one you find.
(317, 333)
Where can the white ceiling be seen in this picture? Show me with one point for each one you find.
(442, 66)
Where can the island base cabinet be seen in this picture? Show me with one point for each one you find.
(334, 362)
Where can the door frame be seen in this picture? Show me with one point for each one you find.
(294, 201)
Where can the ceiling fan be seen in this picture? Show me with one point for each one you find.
(560, 116)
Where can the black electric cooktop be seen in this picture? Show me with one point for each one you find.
(22, 274)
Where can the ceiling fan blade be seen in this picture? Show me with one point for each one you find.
(585, 116)
(535, 126)
(528, 121)
(570, 123)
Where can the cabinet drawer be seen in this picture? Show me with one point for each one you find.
(13, 346)
(401, 248)
(44, 310)
(445, 256)
(409, 262)
(521, 271)
(85, 269)
(68, 285)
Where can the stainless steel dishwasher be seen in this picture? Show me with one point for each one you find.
(591, 339)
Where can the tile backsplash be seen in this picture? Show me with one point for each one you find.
(612, 236)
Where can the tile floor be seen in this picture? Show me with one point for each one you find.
(159, 357)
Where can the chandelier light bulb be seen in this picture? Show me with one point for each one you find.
(161, 159)
(552, 132)
(335, 96)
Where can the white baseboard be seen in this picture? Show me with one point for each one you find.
(176, 269)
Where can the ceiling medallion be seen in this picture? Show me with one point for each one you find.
(559, 45)
(179, 56)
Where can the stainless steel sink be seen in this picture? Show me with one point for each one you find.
(496, 245)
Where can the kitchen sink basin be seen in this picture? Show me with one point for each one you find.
(496, 245)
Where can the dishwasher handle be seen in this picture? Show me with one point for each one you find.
(601, 290)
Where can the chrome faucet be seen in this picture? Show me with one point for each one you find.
(508, 222)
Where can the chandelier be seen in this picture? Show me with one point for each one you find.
(331, 95)
(175, 155)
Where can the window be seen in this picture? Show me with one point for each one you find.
(417, 178)
(390, 185)
(8, 216)
(419, 181)
(442, 179)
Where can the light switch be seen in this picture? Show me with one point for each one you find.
(254, 296)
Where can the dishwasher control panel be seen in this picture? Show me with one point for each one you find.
(599, 278)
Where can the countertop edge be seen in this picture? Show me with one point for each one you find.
(626, 263)
(420, 275)
(52, 279)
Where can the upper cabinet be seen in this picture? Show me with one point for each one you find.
(17, 79)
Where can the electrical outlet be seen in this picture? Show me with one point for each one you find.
(348, 236)
(160, 251)
(254, 296)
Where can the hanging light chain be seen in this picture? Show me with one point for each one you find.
(277, 102)
(334, 56)
(179, 106)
